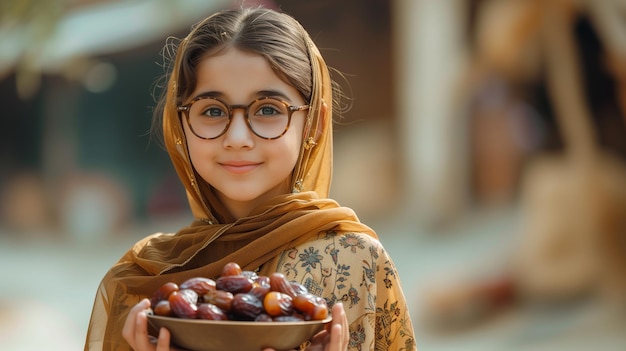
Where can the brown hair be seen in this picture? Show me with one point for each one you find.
(276, 36)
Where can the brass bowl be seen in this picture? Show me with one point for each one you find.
(207, 335)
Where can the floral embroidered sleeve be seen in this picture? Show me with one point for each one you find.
(355, 269)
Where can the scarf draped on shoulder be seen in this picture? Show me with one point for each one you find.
(202, 250)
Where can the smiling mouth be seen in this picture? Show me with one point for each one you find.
(239, 168)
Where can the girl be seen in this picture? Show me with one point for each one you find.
(247, 122)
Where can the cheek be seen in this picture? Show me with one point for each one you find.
(293, 145)
(197, 148)
(284, 154)
(195, 152)
(298, 131)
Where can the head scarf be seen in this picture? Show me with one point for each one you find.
(215, 238)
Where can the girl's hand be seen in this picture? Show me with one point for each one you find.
(336, 335)
(135, 330)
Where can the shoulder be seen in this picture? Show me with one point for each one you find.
(337, 246)
(342, 258)
(354, 241)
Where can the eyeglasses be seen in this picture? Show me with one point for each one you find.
(267, 118)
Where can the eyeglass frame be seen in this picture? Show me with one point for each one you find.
(246, 108)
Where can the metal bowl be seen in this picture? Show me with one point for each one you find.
(208, 335)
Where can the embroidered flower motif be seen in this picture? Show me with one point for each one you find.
(332, 251)
(368, 273)
(407, 334)
(374, 252)
(289, 269)
(353, 295)
(390, 275)
(326, 274)
(357, 337)
(310, 258)
(409, 343)
(352, 241)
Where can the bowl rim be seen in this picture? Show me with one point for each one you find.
(238, 323)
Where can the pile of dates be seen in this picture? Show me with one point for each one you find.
(241, 296)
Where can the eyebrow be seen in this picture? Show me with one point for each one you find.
(258, 94)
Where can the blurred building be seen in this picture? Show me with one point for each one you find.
(449, 101)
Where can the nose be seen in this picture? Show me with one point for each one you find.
(238, 134)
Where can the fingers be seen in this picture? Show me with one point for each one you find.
(135, 330)
(163, 343)
(320, 341)
(130, 326)
(339, 331)
(336, 336)
(142, 339)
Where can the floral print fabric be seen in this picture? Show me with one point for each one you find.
(356, 270)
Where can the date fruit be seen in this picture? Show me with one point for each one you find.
(278, 282)
(220, 298)
(246, 306)
(211, 312)
(278, 304)
(231, 268)
(260, 287)
(163, 293)
(234, 284)
(239, 295)
(163, 308)
(199, 284)
(184, 303)
(311, 306)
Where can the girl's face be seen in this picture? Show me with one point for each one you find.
(245, 169)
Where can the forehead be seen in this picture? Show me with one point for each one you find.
(239, 76)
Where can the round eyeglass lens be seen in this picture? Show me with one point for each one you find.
(268, 118)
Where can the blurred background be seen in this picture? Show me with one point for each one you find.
(485, 143)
